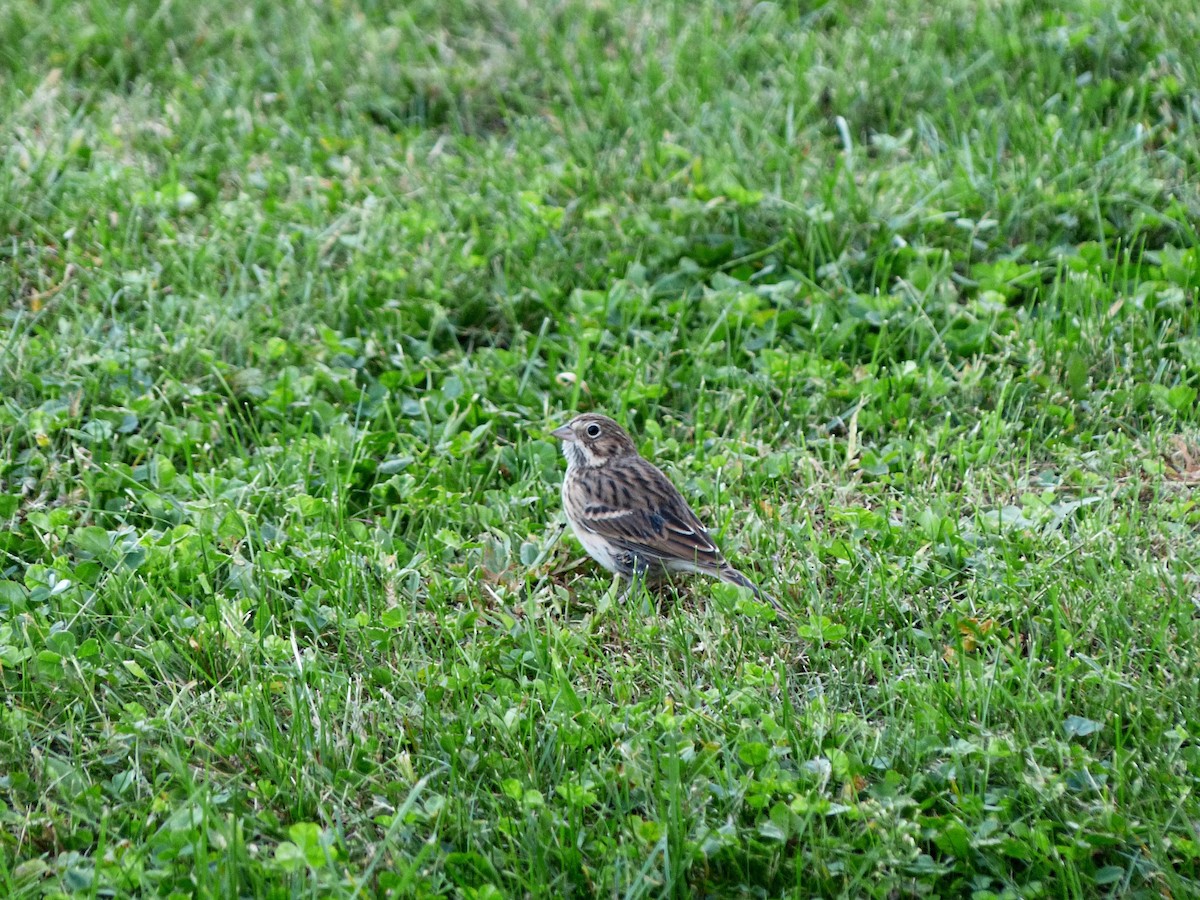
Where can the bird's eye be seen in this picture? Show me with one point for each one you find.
(593, 430)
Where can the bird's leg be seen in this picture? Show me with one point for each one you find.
(633, 585)
(637, 580)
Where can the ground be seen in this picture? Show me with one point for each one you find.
(903, 296)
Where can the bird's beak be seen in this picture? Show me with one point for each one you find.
(564, 433)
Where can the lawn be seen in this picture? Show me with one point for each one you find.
(903, 296)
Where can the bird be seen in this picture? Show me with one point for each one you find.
(627, 514)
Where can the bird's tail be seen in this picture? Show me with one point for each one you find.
(733, 576)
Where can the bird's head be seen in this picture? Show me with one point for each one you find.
(593, 440)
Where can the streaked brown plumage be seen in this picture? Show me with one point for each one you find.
(625, 511)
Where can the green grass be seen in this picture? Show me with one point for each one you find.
(902, 295)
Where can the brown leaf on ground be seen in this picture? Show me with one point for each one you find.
(1183, 461)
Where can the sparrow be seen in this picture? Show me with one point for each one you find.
(627, 514)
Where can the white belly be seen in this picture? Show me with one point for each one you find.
(597, 547)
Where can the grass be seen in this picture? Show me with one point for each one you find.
(903, 296)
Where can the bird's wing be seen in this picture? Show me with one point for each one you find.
(633, 505)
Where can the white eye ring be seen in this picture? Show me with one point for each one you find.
(593, 430)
